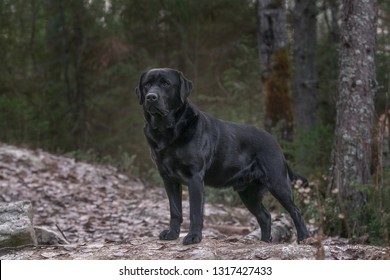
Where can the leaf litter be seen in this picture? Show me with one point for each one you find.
(105, 214)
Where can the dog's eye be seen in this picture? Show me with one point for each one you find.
(146, 85)
(165, 83)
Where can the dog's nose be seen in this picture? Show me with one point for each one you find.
(151, 97)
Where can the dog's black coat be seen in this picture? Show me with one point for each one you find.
(193, 148)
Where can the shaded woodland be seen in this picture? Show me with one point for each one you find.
(69, 68)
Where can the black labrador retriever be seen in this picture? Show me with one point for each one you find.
(193, 148)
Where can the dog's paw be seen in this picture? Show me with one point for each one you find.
(192, 238)
(169, 235)
(310, 241)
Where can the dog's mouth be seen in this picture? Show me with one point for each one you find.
(154, 110)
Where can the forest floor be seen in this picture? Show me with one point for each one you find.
(105, 214)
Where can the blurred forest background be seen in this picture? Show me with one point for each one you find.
(69, 69)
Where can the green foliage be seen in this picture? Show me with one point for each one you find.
(20, 122)
(311, 149)
(315, 201)
(376, 212)
(125, 164)
(237, 87)
(223, 196)
(69, 68)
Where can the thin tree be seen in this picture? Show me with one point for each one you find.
(305, 78)
(78, 14)
(275, 67)
(355, 112)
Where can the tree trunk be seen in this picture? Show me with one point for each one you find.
(275, 67)
(305, 73)
(355, 112)
(78, 42)
(57, 64)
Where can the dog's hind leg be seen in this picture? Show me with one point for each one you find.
(252, 197)
(282, 191)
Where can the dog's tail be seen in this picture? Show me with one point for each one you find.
(294, 177)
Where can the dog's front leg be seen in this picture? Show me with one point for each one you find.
(196, 194)
(173, 190)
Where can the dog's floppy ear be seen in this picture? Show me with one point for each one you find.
(185, 87)
(139, 90)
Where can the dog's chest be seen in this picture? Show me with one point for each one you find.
(175, 163)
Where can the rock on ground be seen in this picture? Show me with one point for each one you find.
(48, 237)
(16, 228)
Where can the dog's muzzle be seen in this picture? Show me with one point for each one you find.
(153, 105)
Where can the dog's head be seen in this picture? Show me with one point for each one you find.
(162, 90)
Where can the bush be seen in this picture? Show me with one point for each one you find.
(310, 151)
